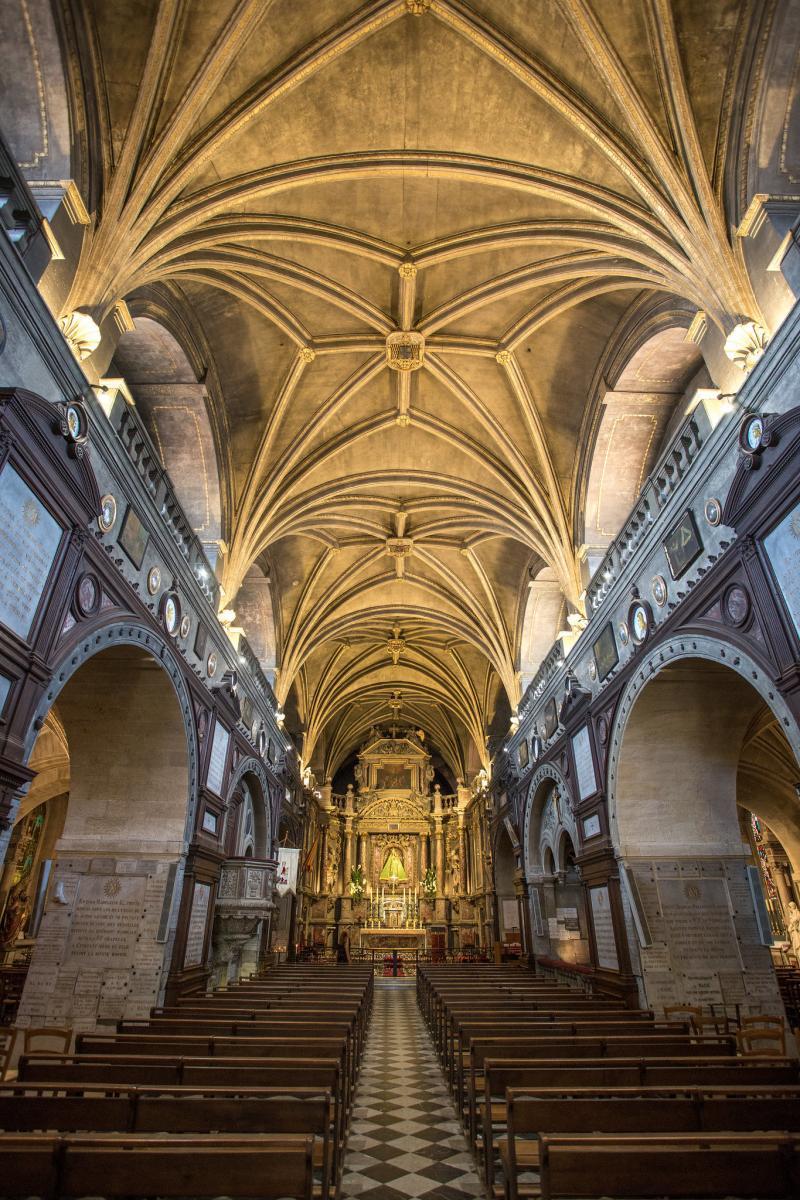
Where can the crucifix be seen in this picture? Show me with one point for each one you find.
(395, 704)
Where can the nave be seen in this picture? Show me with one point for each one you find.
(313, 1082)
(404, 1138)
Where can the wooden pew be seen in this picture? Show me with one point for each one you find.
(120, 1072)
(110, 1165)
(507, 1052)
(629, 1110)
(274, 1110)
(674, 1165)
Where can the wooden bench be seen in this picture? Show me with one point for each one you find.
(468, 1081)
(113, 1165)
(273, 1110)
(628, 1110)
(672, 1165)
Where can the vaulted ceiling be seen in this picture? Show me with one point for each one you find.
(302, 178)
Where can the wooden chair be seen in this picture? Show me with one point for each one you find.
(762, 1042)
(683, 1012)
(8, 1037)
(34, 1037)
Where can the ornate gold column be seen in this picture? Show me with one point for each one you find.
(348, 854)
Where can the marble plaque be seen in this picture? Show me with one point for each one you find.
(196, 933)
(591, 826)
(783, 548)
(584, 763)
(510, 916)
(700, 930)
(106, 923)
(604, 929)
(29, 540)
(219, 754)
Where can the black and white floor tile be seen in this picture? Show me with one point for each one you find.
(405, 1139)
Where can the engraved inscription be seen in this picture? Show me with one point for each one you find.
(29, 539)
(107, 920)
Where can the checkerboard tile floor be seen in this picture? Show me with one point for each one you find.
(405, 1139)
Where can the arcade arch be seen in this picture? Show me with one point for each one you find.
(117, 858)
(558, 909)
(507, 913)
(681, 763)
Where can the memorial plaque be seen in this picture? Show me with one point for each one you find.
(605, 652)
(604, 929)
(510, 916)
(196, 933)
(29, 541)
(219, 754)
(591, 826)
(682, 546)
(783, 549)
(105, 923)
(699, 925)
(584, 764)
(133, 538)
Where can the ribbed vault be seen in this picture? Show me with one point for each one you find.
(507, 179)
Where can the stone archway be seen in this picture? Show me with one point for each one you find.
(108, 926)
(673, 779)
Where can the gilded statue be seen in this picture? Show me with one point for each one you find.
(393, 869)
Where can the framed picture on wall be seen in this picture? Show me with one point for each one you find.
(683, 545)
(605, 652)
(133, 538)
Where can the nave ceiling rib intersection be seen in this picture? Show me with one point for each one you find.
(509, 180)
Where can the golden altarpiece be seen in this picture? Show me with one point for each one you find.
(394, 852)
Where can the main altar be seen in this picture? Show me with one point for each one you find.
(392, 853)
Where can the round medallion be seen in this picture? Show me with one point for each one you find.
(186, 625)
(602, 731)
(108, 513)
(639, 620)
(76, 422)
(752, 433)
(592, 669)
(211, 665)
(713, 511)
(261, 741)
(659, 589)
(171, 614)
(153, 580)
(87, 595)
(736, 605)
(622, 630)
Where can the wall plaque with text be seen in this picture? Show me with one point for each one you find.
(584, 763)
(29, 541)
(219, 756)
(603, 923)
(196, 933)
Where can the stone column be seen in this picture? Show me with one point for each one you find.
(523, 901)
(439, 854)
(322, 858)
(348, 853)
